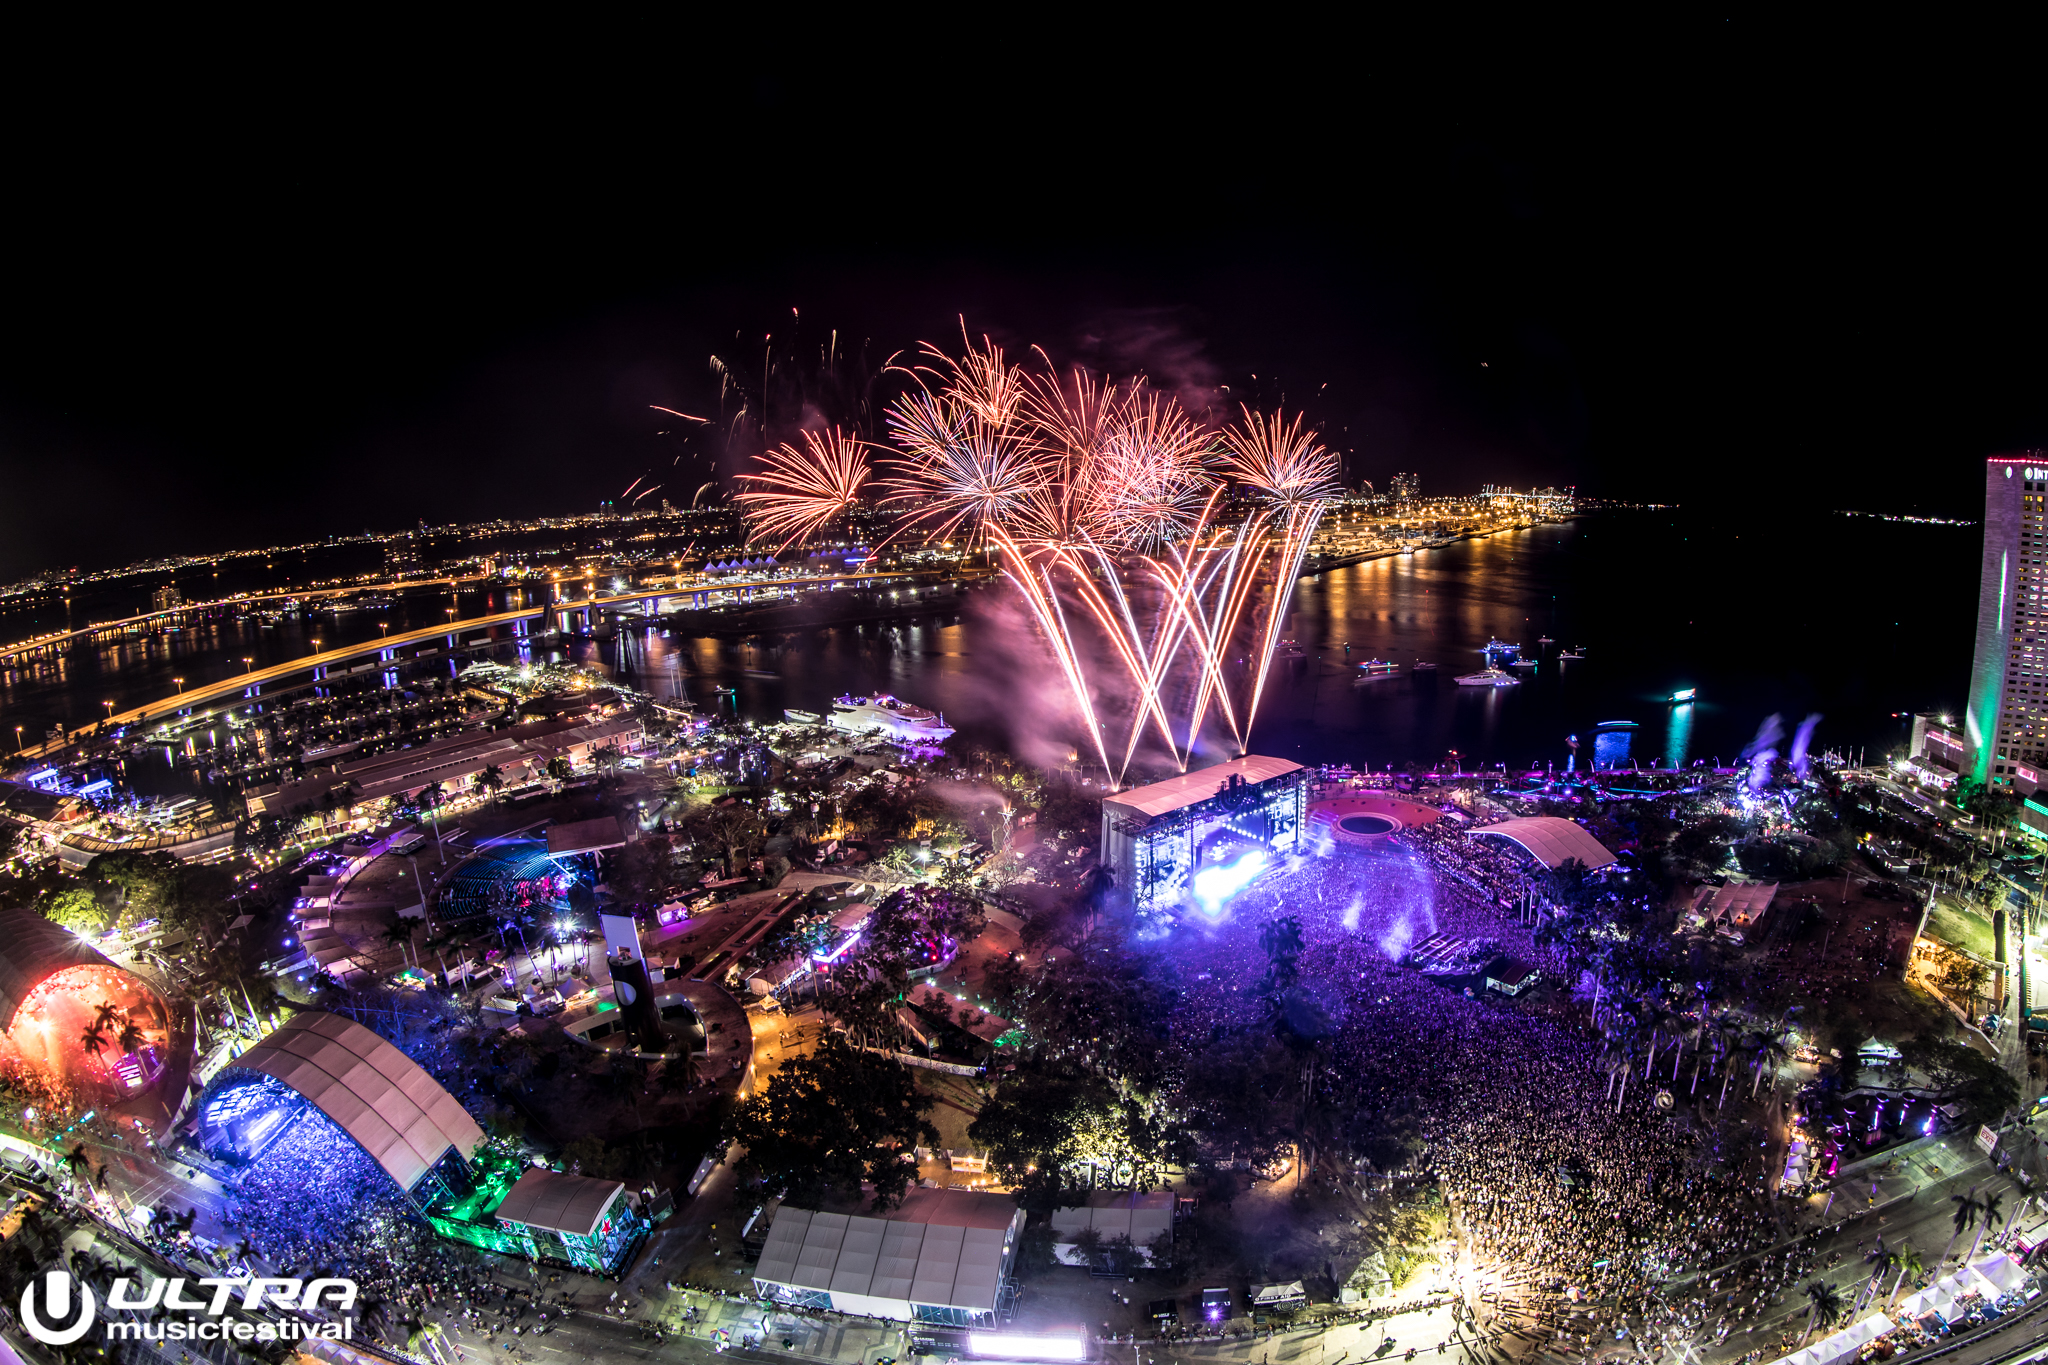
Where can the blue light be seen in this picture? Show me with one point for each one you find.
(1215, 885)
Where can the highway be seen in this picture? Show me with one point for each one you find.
(234, 684)
(40, 642)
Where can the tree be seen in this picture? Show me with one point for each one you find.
(77, 909)
(1826, 1305)
(1050, 1118)
(1988, 1211)
(830, 1121)
(491, 779)
(1965, 1218)
(1909, 1264)
(1281, 940)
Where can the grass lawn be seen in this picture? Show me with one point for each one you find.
(1960, 929)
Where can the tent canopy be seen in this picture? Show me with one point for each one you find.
(377, 1095)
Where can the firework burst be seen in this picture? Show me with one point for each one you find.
(798, 492)
(1105, 504)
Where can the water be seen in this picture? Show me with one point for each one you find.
(1854, 619)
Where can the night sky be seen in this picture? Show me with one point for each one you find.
(1737, 266)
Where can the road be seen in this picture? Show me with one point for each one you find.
(184, 608)
(200, 693)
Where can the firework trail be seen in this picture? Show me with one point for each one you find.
(1295, 478)
(1103, 502)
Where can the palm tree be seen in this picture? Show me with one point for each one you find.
(1826, 1303)
(1770, 1051)
(1909, 1264)
(130, 1038)
(491, 779)
(93, 1040)
(1880, 1259)
(1991, 1207)
(1965, 1217)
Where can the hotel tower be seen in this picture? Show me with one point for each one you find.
(2006, 724)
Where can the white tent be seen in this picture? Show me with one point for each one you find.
(1993, 1277)
(1843, 1345)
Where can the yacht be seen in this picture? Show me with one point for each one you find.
(1545, 640)
(1578, 653)
(1377, 668)
(802, 717)
(887, 716)
(1489, 677)
(1523, 663)
(1420, 664)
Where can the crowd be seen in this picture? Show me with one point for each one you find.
(1492, 867)
(1582, 1206)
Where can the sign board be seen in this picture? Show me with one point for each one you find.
(1986, 1139)
(621, 932)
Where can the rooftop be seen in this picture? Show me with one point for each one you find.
(1552, 840)
(562, 1203)
(1163, 798)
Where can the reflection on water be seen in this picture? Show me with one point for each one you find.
(1655, 601)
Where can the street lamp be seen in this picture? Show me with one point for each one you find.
(110, 709)
(384, 626)
(181, 685)
(17, 739)
(248, 664)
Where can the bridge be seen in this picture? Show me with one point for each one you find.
(44, 646)
(321, 665)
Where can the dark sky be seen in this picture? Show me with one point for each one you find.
(1721, 263)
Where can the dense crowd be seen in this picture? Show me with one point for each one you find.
(1574, 1199)
(1492, 867)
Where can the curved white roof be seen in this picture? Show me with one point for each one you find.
(395, 1111)
(1552, 839)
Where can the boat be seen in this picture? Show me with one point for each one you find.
(1489, 677)
(1290, 650)
(1376, 668)
(1545, 640)
(1578, 653)
(802, 717)
(889, 717)
(1420, 664)
(1523, 663)
(1682, 695)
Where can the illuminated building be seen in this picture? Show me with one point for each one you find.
(71, 1013)
(2006, 721)
(420, 1136)
(1158, 840)
(1405, 487)
(165, 599)
(543, 1215)
(944, 1257)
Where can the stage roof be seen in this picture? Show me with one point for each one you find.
(1163, 798)
(585, 836)
(36, 949)
(395, 1111)
(561, 1203)
(1552, 839)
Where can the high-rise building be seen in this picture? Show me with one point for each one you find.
(1405, 486)
(165, 598)
(2006, 721)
